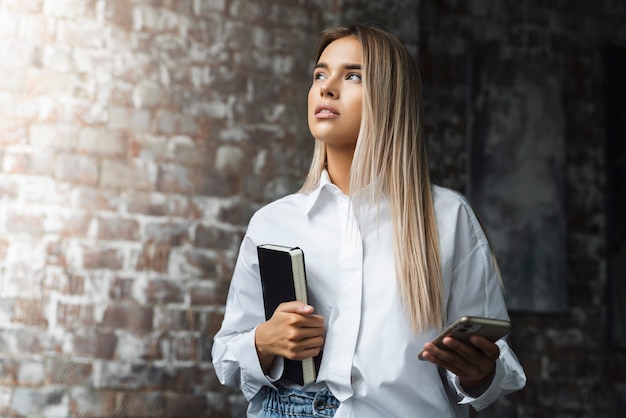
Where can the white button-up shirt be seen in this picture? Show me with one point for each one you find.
(369, 358)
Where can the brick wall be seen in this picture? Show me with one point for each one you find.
(137, 137)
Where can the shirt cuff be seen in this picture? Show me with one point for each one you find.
(487, 397)
(253, 376)
(277, 369)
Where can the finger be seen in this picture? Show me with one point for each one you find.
(295, 307)
(491, 349)
(483, 351)
(452, 360)
(301, 334)
(306, 348)
(443, 359)
(307, 353)
(440, 356)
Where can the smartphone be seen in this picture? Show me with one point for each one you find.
(463, 328)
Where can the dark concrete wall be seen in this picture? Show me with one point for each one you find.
(572, 368)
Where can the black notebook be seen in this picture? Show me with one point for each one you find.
(283, 279)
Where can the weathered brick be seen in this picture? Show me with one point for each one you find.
(220, 184)
(45, 82)
(32, 402)
(11, 80)
(65, 371)
(133, 348)
(68, 8)
(158, 204)
(85, 401)
(215, 238)
(153, 147)
(29, 6)
(101, 257)
(79, 169)
(92, 344)
(161, 291)
(176, 379)
(30, 312)
(90, 198)
(117, 228)
(104, 142)
(121, 375)
(170, 233)
(129, 119)
(208, 293)
(186, 405)
(28, 163)
(67, 223)
(79, 33)
(17, 280)
(214, 322)
(13, 132)
(229, 158)
(72, 315)
(176, 179)
(236, 212)
(154, 257)
(54, 136)
(195, 263)
(187, 319)
(147, 95)
(130, 316)
(9, 370)
(185, 348)
(31, 224)
(142, 404)
(135, 175)
(185, 150)
(121, 289)
(64, 283)
(117, 14)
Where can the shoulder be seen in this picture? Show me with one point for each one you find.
(454, 213)
(447, 200)
(287, 207)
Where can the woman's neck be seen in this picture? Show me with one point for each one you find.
(338, 164)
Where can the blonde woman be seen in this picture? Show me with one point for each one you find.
(390, 260)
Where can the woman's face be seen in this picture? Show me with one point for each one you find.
(336, 94)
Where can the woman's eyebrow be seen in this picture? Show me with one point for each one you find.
(345, 66)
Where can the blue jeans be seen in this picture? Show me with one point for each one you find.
(293, 403)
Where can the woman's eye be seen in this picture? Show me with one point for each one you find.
(354, 77)
(318, 76)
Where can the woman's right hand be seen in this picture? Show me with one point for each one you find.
(293, 332)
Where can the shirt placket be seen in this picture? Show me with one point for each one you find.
(349, 302)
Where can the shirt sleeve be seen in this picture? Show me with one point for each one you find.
(476, 289)
(509, 377)
(234, 353)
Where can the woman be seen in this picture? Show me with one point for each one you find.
(390, 260)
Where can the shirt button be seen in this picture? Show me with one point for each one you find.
(319, 405)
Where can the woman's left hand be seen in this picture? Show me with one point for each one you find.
(473, 363)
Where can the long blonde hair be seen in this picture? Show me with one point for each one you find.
(391, 151)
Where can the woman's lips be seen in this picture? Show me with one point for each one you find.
(325, 111)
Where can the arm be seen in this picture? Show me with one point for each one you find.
(246, 346)
(293, 332)
(483, 371)
(234, 354)
(474, 363)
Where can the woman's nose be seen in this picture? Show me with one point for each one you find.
(326, 90)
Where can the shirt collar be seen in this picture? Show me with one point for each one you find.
(314, 196)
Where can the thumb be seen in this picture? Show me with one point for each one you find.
(295, 307)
